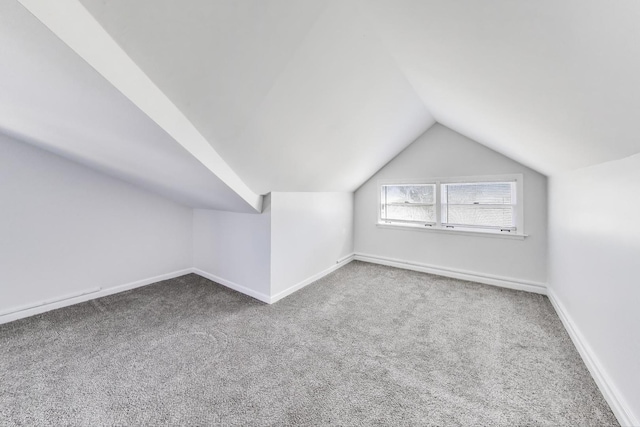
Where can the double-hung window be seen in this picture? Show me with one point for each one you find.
(482, 204)
(489, 205)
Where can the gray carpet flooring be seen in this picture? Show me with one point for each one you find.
(366, 345)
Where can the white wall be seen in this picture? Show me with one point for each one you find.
(66, 229)
(441, 152)
(594, 254)
(234, 249)
(298, 237)
(310, 232)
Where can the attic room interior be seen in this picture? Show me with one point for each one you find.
(319, 212)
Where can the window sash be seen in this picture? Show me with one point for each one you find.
(384, 206)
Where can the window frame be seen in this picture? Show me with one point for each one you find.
(438, 226)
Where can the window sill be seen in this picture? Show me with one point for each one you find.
(461, 232)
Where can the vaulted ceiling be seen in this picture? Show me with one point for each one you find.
(314, 95)
(553, 84)
(50, 97)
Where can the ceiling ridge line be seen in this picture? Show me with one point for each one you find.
(278, 78)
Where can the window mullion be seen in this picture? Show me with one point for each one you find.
(438, 205)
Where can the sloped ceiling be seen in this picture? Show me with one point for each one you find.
(294, 95)
(315, 95)
(553, 84)
(50, 97)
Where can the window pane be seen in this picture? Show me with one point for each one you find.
(475, 215)
(483, 193)
(409, 193)
(410, 213)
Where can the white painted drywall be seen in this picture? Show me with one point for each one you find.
(310, 232)
(52, 98)
(279, 88)
(441, 152)
(66, 229)
(547, 83)
(234, 248)
(594, 254)
(297, 237)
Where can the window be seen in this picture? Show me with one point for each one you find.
(482, 204)
(409, 203)
(479, 204)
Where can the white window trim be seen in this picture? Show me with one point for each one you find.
(437, 227)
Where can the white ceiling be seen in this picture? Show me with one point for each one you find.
(50, 97)
(553, 84)
(294, 95)
(216, 60)
(314, 95)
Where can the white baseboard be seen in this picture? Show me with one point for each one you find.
(236, 287)
(64, 301)
(501, 281)
(48, 305)
(340, 263)
(611, 394)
